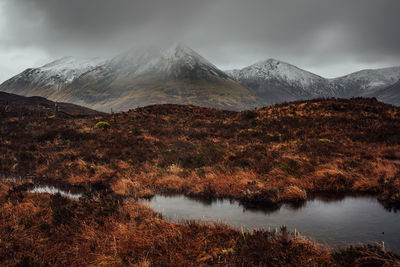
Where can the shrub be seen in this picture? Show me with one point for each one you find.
(325, 140)
(102, 125)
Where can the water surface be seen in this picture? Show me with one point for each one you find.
(333, 222)
(50, 189)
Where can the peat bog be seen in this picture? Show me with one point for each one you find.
(279, 155)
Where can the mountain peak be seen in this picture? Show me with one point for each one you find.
(186, 55)
(273, 68)
(179, 48)
(175, 61)
(271, 61)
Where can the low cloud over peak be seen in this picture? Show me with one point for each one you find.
(330, 38)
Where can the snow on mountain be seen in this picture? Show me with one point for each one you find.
(138, 77)
(66, 69)
(272, 68)
(43, 81)
(276, 81)
(365, 82)
(171, 61)
(178, 74)
(390, 94)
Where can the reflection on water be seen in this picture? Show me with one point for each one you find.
(75, 192)
(54, 190)
(337, 221)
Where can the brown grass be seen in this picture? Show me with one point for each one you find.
(100, 233)
(280, 153)
(285, 152)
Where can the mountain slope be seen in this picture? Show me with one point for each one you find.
(365, 82)
(390, 94)
(50, 78)
(177, 75)
(275, 81)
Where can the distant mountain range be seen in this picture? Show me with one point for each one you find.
(179, 75)
(274, 81)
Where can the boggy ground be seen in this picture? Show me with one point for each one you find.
(281, 153)
(44, 230)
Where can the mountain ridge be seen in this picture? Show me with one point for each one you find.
(176, 75)
(275, 81)
(179, 75)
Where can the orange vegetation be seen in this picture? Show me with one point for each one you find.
(39, 229)
(285, 152)
(280, 153)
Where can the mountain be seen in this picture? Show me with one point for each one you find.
(177, 75)
(274, 81)
(390, 94)
(12, 101)
(50, 78)
(365, 82)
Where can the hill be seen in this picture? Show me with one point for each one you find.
(12, 102)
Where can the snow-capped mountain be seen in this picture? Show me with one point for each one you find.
(67, 69)
(390, 94)
(365, 82)
(43, 81)
(274, 81)
(136, 78)
(180, 75)
(174, 62)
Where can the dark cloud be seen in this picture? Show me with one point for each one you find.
(320, 35)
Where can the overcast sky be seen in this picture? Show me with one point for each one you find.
(328, 37)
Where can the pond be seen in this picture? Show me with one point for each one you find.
(50, 189)
(338, 221)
